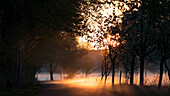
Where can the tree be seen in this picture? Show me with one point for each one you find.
(22, 24)
(160, 26)
(72, 56)
(51, 50)
(100, 18)
(90, 62)
(148, 29)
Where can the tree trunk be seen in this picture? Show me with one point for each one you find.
(113, 59)
(126, 79)
(1, 13)
(51, 70)
(3, 75)
(105, 79)
(132, 70)
(165, 48)
(120, 77)
(113, 73)
(161, 73)
(18, 66)
(141, 70)
(19, 61)
(142, 46)
(51, 76)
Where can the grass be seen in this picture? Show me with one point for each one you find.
(133, 90)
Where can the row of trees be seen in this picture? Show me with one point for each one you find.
(33, 33)
(141, 32)
(146, 32)
(61, 52)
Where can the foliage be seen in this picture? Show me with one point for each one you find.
(24, 25)
(131, 30)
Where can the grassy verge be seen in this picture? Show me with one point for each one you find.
(28, 90)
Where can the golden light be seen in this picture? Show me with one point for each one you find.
(99, 18)
(95, 81)
(89, 82)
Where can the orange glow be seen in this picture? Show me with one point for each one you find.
(110, 40)
(95, 81)
(98, 18)
(89, 82)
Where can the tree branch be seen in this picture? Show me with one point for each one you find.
(150, 51)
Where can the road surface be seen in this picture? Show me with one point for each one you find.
(54, 88)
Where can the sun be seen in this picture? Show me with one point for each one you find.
(110, 40)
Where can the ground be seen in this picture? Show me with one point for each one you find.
(94, 87)
(56, 89)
